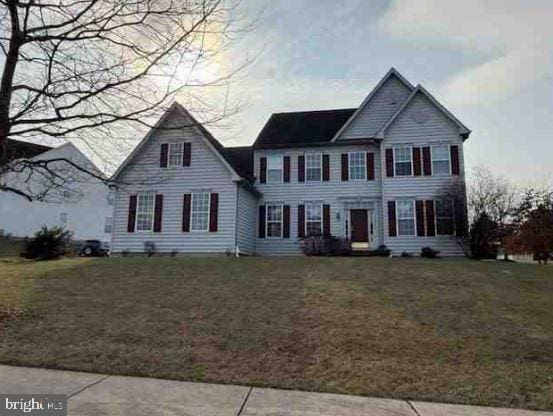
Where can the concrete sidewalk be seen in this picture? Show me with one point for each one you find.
(98, 394)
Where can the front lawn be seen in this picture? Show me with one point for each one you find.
(444, 330)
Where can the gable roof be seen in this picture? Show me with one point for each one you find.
(228, 160)
(392, 72)
(241, 158)
(52, 153)
(303, 127)
(464, 131)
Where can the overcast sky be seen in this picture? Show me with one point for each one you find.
(488, 61)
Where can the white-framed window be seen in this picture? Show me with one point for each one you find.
(108, 225)
(274, 168)
(145, 211)
(200, 211)
(440, 160)
(445, 222)
(313, 167)
(274, 220)
(357, 166)
(405, 217)
(176, 151)
(313, 219)
(403, 161)
(63, 219)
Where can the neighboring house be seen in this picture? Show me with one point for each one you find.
(81, 204)
(376, 174)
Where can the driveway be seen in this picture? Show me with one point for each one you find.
(98, 394)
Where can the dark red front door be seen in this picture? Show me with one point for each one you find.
(359, 226)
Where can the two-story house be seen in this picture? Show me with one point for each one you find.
(376, 174)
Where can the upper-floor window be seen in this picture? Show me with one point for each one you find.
(313, 167)
(444, 217)
(200, 211)
(357, 166)
(108, 225)
(402, 160)
(274, 220)
(145, 211)
(110, 198)
(63, 219)
(176, 152)
(440, 160)
(313, 219)
(274, 168)
(405, 217)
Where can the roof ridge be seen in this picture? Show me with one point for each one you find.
(316, 111)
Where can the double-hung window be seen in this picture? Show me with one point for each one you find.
(145, 211)
(313, 167)
(406, 217)
(357, 166)
(274, 168)
(440, 160)
(200, 211)
(444, 217)
(274, 220)
(313, 219)
(176, 151)
(402, 158)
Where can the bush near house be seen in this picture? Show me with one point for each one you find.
(48, 244)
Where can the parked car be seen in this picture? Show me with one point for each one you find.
(94, 248)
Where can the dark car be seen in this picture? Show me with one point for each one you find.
(94, 248)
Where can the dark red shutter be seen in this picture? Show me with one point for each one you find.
(345, 166)
(186, 202)
(390, 163)
(326, 168)
(286, 221)
(301, 168)
(262, 169)
(426, 162)
(213, 212)
(158, 212)
(326, 220)
(187, 154)
(417, 167)
(430, 228)
(286, 174)
(301, 221)
(392, 232)
(454, 152)
(132, 214)
(460, 218)
(163, 156)
(370, 166)
(419, 207)
(261, 225)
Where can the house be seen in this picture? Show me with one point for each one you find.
(79, 203)
(376, 174)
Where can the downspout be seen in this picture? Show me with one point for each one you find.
(236, 248)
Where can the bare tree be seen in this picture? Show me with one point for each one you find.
(495, 199)
(101, 68)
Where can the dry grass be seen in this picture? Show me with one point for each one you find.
(441, 330)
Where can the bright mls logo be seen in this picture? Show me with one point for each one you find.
(33, 404)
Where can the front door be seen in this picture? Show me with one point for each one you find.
(359, 226)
